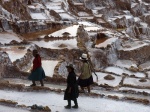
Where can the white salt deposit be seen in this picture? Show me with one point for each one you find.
(86, 104)
(120, 71)
(49, 66)
(71, 44)
(136, 82)
(72, 30)
(102, 81)
(8, 37)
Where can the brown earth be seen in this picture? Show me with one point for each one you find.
(34, 35)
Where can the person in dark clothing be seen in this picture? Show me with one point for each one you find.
(71, 92)
(37, 72)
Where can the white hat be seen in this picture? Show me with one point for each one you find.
(84, 57)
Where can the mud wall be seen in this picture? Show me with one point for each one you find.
(140, 55)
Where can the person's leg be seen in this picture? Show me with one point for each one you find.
(33, 83)
(69, 104)
(76, 104)
(89, 89)
(41, 81)
(82, 88)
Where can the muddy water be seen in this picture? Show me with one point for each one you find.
(101, 40)
(40, 34)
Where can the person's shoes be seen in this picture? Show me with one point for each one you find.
(75, 106)
(68, 107)
(32, 85)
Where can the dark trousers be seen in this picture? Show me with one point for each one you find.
(75, 102)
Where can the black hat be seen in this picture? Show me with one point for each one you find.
(70, 66)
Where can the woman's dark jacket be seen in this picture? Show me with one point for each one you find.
(71, 82)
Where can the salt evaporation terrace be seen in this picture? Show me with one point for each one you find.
(120, 58)
(49, 66)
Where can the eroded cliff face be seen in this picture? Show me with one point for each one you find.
(15, 8)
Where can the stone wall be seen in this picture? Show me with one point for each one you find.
(28, 26)
(7, 67)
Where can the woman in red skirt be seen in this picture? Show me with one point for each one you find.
(37, 72)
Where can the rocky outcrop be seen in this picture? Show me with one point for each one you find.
(109, 77)
(139, 55)
(55, 15)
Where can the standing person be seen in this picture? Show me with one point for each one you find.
(85, 79)
(71, 92)
(37, 72)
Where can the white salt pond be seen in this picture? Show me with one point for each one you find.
(49, 66)
(145, 65)
(134, 46)
(53, 6)
(8, 37)
(125, 63)
(136, 82)
(102, 81)
(66, 16)
(72, 30)
(85, 23)
(86, 104)
(91, 28)
(15, 53)
(120, 71)
(70, 44)
(38, 16)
